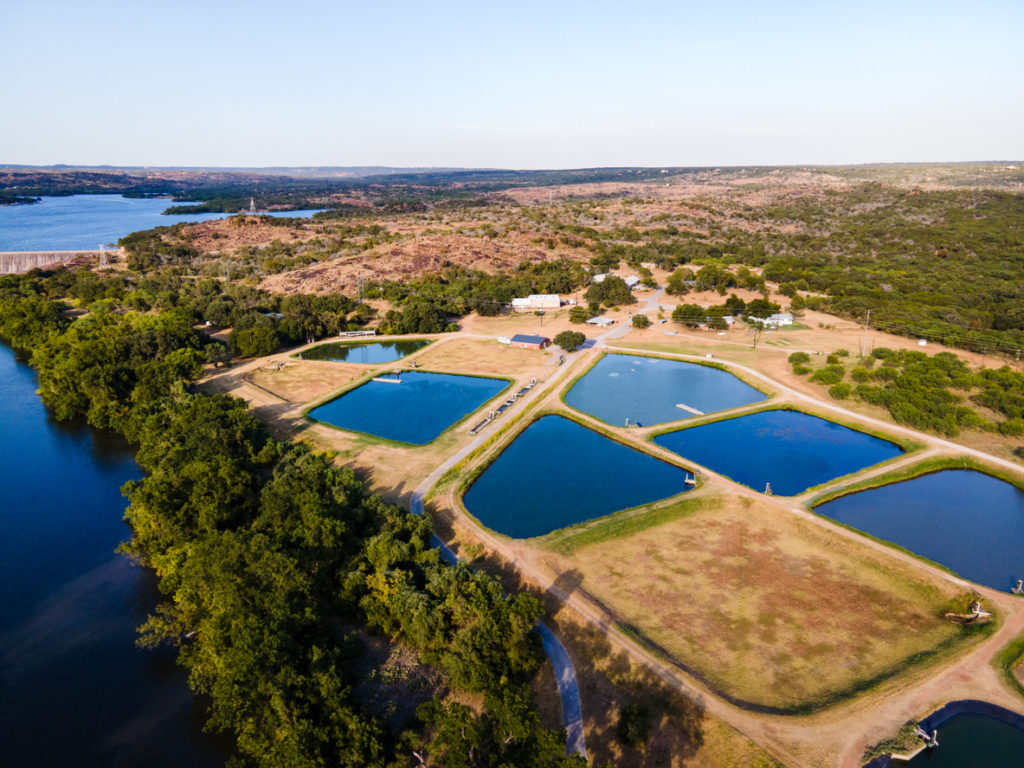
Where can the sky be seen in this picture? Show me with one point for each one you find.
(512, 85)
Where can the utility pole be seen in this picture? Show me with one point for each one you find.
(864, 344)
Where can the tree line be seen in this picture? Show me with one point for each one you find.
(272, 562)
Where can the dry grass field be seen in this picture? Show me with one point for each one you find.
(482, 357)
(301, 381)
(771, 609)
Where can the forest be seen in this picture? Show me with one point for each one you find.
(275, 565)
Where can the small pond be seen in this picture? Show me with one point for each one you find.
(372, 352)
(789, 449)
(976, 741)
(648, 390)
(415, 409)
(558, 473)
(968, 521)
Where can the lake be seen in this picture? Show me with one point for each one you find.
(558, 473)
(75, 690)
(976, 741)
(366, 353)
(414, 410)
(968, 521)
(791, 450)
(647, 390)
(84, 222)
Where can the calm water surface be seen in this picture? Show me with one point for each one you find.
(84, 222)
(974, 741)
(415, 411)
(374, 352)
(74, 690)
(970, 522)
(791, 450)
(558, 473)
(646, 390)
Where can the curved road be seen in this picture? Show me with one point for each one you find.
(565, 673)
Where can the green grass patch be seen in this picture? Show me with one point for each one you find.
(617, 525)
(926, 467)
(1009, 656)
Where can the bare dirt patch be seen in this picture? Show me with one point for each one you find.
(428, 254)
(226, 235)
(771, 609)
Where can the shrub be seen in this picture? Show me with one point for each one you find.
(860, 373)
(641, 321)
(830, 374)
(839, 391)
(801, 370)
(1012, 427)
(799, 357)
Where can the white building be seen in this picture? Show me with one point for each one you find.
(537, 301)
(604, 322)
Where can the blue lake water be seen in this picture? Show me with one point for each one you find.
(415, 411)
(974, 741)
(791, 450)
(375, 352)
(558, 473)
(74, 689)
(646, 390)
(968, 521)
(84, 222)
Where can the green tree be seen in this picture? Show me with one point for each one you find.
(641, 321)
(579, 314)
(569, 340)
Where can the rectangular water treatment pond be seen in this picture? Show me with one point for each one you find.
(968, 521)
(648, 390)
(557, 473)
(371, 352)
(414, 408)
(792, 451)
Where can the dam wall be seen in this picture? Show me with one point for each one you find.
(14, 262)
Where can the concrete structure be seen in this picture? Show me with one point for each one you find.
(526, 341)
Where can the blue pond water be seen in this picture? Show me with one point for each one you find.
(557, 473)
(646, 390)
(415, 411)
(791, 450)
(83, 222)
(970, 522)
(376, 352)
(74, 688)
(976, 741)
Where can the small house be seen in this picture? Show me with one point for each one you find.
(599, 278)
(781, 318)
(521, 305)
(632, 282)
(603, 322)
(527, 341)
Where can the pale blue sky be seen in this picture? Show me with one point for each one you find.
(517, 84)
